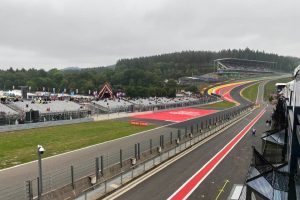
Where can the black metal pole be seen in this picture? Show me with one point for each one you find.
(121, 158)
(101, 165)
(135, 151)
(97, 168)
(40, 172)
(139, 150)
(72, 177)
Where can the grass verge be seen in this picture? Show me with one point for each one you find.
(270, 87)
(220, 105)
(250, 92)
(20, 146)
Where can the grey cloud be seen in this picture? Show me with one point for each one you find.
(88, 33)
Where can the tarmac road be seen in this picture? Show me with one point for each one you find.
(232, 168)
(18, 174)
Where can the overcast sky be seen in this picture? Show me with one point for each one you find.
(90, 33)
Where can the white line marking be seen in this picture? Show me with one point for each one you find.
(236, 193)
(34, 161)
(217, 163)
(133, 184)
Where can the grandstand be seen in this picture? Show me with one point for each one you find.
(231, 68)
(240, 67)
(112, 105)
(144, 104)
(49, 110)
(47, 106)
(44, 106)
(7, 110)
(7, 115)
(158, 103)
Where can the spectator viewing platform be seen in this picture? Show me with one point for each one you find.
(230, 65)
(274, 171)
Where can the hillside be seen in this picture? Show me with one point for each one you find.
(143, 76)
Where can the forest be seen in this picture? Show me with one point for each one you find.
(137, 77)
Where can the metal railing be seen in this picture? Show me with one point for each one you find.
(42, 124)
(97, 109)
(105, 187)
(70, 180)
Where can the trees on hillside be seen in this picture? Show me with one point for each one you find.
(143, 76)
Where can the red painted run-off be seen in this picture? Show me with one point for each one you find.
(188, 187)
(177, 115)
(228, 97)
(225, 92)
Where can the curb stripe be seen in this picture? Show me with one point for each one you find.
(190, 185)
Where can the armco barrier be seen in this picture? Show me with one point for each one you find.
(104, 187)
(72, 181)
(42, 124)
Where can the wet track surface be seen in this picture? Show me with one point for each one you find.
(232, 168)
(18, 174)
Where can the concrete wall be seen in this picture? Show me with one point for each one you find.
(42, 124)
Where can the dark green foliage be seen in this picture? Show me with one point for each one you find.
(270, 88)
(138, 77)
(192, 88)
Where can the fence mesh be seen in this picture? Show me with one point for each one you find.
(87, 166)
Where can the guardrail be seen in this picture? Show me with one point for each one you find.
(105, 187)
(142, 108)
(72, 181)
(42, 124)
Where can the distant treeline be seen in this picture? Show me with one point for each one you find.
(144, 76)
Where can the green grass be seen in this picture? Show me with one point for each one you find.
(220, 105)
(270, 87)
(250, 92)
(20, 146)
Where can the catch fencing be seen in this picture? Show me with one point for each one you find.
(42, 124)
(89, 174)
(97, 109)
(104, 187)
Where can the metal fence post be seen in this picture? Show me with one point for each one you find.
(185, 131)
(38, 188)
(197, 127)
(121, 158)
(139, 150)
(29, 190)
(135, 151)
(97, 168)
(179, 134)
(101, 165)
(72, 177)
(171, 137)
(160, 141)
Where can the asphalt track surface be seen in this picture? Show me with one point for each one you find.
(177, 115)
(232, 168)
(18, 174)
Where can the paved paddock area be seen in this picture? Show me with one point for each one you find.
(176, 115)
